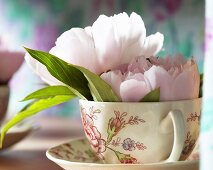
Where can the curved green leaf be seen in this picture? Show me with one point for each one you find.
(101, 91)
(50, 91)
(32, 109)
(64, 73)
(81, 80)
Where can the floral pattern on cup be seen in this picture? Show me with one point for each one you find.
(189, 144)
(128, 144)
(92, 133)
(193, 117)
(115, 125)
(118, 122)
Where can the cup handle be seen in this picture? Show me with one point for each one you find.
(179, 135)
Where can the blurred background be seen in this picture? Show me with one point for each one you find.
(37, 24)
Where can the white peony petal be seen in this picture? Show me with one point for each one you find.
(88, 30)
(152, 44)
(138, 27)
(107, 43)
(31, 62)
(41, 71)
(129, 30)
(117, 39)
(76, 47)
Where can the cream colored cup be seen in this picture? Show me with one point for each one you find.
(145, 132)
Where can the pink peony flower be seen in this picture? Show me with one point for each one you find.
(177, 78)
(108, 43)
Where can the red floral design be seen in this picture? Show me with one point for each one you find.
(129, 160)
(189, 144)
(93, 135)
(115, 124)
(140, 146)
(118, 123)
(126, 158)
(193, 117)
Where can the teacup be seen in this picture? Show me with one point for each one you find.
(4, 98)
(146, 132)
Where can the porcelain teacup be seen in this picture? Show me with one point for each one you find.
(146, 132)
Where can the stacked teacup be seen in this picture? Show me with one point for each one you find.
(10, 61)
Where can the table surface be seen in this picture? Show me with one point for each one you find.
(29, 154)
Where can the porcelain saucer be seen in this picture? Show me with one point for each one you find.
(17, 133)
(78, 155)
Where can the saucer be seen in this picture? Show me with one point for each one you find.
(78, 155)
(16, 134)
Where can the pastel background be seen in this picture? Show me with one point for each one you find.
(38, 23)
(207, 113)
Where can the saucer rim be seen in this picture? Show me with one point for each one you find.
(162, 164)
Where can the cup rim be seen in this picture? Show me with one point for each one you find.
(142, 103)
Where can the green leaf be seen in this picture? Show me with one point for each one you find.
(101, 91)
(49, 91)
(64, 73)
(32, 109)
(153, 96)
(75, 76)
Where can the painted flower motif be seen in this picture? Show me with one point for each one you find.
(128, 144)
(177, 78)
(108, 43)
(128, 160)
(93, 135)
(125, 158)
(115, 125)
(188, 148)
(140, 146)
(189, 145)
